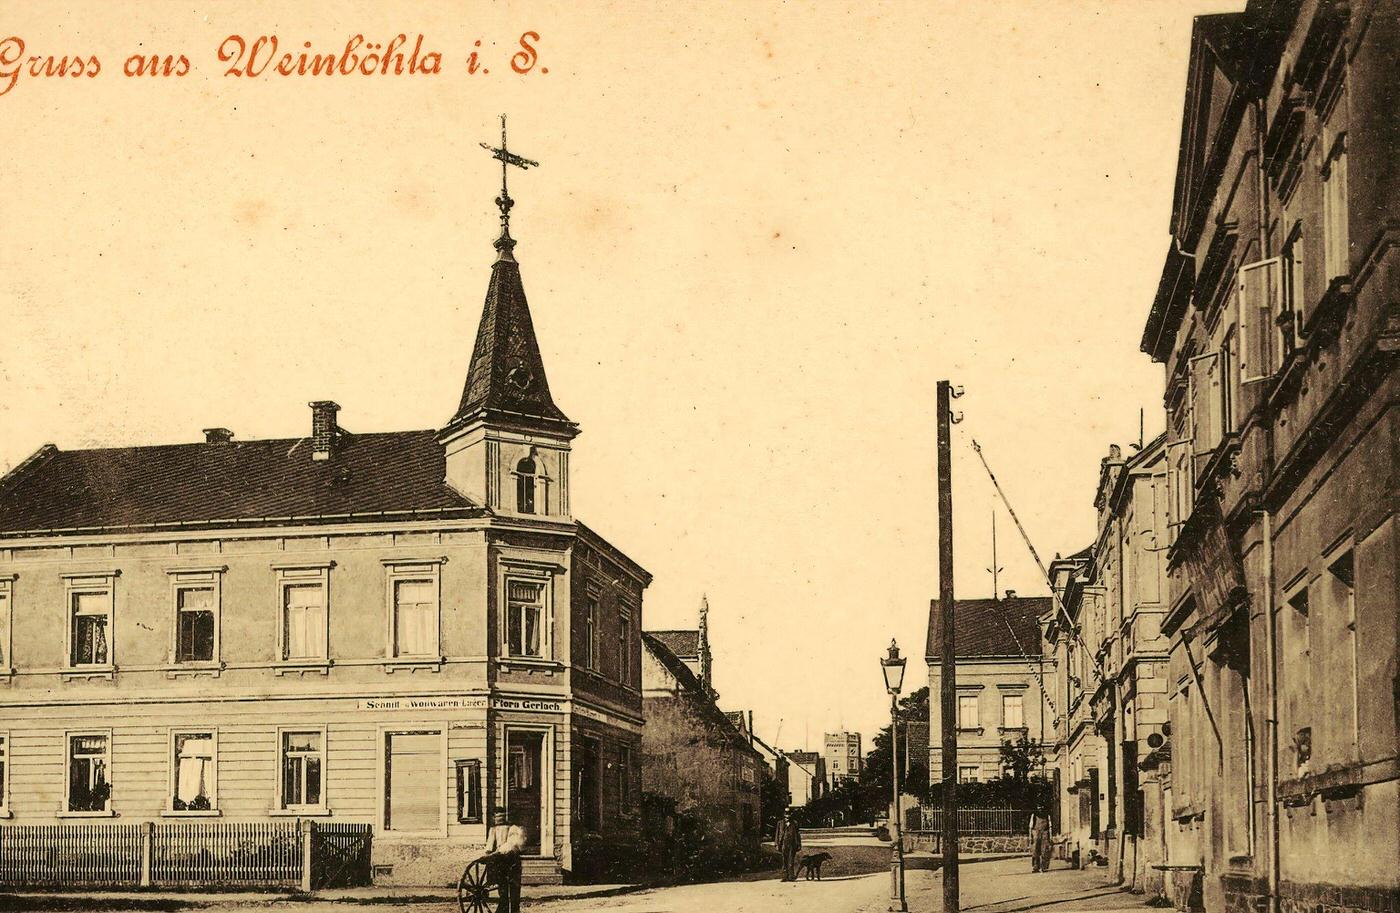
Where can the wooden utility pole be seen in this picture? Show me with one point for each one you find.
(948, 696)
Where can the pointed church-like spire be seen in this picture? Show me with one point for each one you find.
(703, 646)
(506, 375)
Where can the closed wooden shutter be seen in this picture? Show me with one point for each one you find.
(413, 781)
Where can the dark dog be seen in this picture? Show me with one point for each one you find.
(812, 865)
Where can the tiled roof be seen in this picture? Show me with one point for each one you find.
(506, 374)
(991, 627)
(236, 483)
(685, 644)
(667, 657)
(697, 692)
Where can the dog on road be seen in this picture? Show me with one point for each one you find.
(811, 865)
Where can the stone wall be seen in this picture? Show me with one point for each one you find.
(1005, 843)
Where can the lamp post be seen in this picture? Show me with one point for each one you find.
(893, 667)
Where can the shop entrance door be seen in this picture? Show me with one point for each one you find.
(524, 784)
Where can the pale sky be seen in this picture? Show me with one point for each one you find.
(760, 233)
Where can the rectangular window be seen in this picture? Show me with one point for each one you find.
(6, 605)
(624, 649)
(196, 626)
(304, 631)
(192, 786)
(969, 773)
(588, 791)
(590, 633)
(624, 778)
(524, 617)
(413, 781)
(415, 618)
(303, 767)
(521, 772)
(1013, 711)
(1227, 377)
(4, 772)
(89, 783)
(1294, 290)
(91, 626)
(1206, 397)
(1341, 597)
(1336, 233)
(468, 792)
(967, 711)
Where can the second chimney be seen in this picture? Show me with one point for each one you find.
(217, 436)
(1010, 594)
(323, 428)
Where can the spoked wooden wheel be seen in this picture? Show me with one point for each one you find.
(476, 892)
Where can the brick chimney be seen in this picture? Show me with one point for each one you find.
(217, 436)
(1010, 594)
(323, 428)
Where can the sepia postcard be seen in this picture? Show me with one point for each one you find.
(679, 457)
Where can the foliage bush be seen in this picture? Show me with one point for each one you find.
(680, 846)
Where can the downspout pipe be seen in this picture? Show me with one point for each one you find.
(1272, 741)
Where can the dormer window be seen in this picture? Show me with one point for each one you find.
(525, 486)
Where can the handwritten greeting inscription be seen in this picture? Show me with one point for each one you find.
(266, 56)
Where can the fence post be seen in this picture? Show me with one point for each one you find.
(306, 831)
(148, 839)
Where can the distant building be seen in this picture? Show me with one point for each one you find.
(806, 777)
(1000, 671)
(843, 756)
(693, 752)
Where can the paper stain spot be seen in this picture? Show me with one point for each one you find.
(251, 212)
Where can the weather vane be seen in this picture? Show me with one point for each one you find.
(505, 242)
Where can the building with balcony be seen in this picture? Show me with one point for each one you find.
(1277, 324)
(407, 629)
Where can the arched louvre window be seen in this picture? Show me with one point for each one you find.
(525, 472)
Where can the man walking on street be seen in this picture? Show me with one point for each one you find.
(788, 839)
(504, 841)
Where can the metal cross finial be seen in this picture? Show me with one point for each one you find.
(505, 242)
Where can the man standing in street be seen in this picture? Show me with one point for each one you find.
(504, 841)
(1040, 839)
(788, 839)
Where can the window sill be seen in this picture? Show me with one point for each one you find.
(89, 673)
(530, 664)
(191, 813)
(6, 814)
(107, 813)
(413, 664)
(317, 811)
(301, 667)
(972, 730)
(193, 669)
(1004, 729)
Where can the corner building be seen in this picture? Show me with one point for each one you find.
(406, 629)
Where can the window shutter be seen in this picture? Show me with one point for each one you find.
(1180, 489)
(1260, 301)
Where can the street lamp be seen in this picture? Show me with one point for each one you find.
(893, 667)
